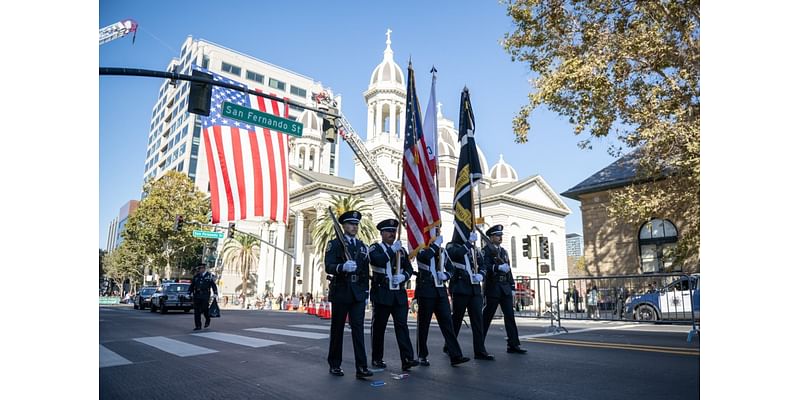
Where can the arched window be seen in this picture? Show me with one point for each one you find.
(656, 236)
(513, 252)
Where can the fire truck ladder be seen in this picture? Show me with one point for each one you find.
(118, 30)
(367, 159)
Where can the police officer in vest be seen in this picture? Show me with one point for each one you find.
(499, 288)
(466, 294)
(433, 300)
(200, 289)
(348, 293)
(387, 302)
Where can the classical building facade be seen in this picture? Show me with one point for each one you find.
(612, 247)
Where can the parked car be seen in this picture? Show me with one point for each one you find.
(673, 302)
(142, 298)
(171, 296)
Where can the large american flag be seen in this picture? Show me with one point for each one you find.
(247, 165)
(419, 186)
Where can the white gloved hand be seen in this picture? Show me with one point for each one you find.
(504, 267)
(398, 279)
(473, 237)
(477, 277)
(439, 240)
(397, 245)
(349, 266)
(442, 276)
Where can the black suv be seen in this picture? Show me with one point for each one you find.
(142, 298)
(171, 296)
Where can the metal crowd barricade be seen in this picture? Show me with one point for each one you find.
(647, 298)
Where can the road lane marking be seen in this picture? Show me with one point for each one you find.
(110, 359)
(237, 339)
(173, 346)
(286, 332)
(578, 331)
(319, 327)
(620, 346)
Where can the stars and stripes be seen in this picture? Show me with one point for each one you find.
(419, 186)
(247, 165)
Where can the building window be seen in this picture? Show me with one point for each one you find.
(255, 77)
(513, 252)
(297, 91)
(657, 239)
(206, 61)
(232, 69)
(276, 84)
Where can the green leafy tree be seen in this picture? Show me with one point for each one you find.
(102, 267)
(627, 67)
(150, 229)
(124, 263)
(323, 226)
(241, 253)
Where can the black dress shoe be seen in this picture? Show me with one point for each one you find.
(363, 372)
(407, 364)
(424, 362)
(336, 371)
(458, 360)
(208, 322)
(484, 356)
(379, 364)
(516, 349)
(197, 328)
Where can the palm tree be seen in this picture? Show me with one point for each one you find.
(323, 226)
(241, 253)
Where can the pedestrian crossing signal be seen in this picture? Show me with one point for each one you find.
(297, 271)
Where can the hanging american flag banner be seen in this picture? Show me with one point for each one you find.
(247, 165)
(419, 187)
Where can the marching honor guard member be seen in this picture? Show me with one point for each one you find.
(387, 301)
(431, 294)
(347, 260)
(465, 287)
(499, 288)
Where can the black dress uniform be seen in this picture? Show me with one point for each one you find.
(499, 290)
(200, 289)
(387, 302)
(432, 299)
(348, 295)
(467, 296)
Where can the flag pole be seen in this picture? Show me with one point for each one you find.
(438, 267)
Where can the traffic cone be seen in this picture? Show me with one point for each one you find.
(328, 311)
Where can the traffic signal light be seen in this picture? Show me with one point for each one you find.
(544, 248)
(526, 247)
(231, 229)
(200, 95)
(297, 271)
(178, 223)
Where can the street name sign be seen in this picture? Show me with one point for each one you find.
(208, 234)
(262, 119)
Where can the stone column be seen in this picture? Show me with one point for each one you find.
(299, 247)
(371, 121)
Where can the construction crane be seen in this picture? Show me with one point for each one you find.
(346, 131)
(118, 30)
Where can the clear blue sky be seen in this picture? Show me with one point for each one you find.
(339, 44)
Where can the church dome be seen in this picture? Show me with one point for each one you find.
(387, 72)
(502, 172)
(312, 123)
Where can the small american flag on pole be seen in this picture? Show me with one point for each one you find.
(247, 165)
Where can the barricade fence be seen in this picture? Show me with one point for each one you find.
(672, 297)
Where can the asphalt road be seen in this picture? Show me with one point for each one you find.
(272, 354)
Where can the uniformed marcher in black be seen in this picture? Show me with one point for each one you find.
(433, 300)
(499, 288)
(200, 289)
(387, 302)
(467, 297)
(348, 294)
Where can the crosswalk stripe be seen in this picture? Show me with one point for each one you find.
(173, 346)
(237, 339)
(319, 327)
(286, 332)
(110, 359)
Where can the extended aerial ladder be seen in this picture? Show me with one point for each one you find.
(118, 30)
(367, 159)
